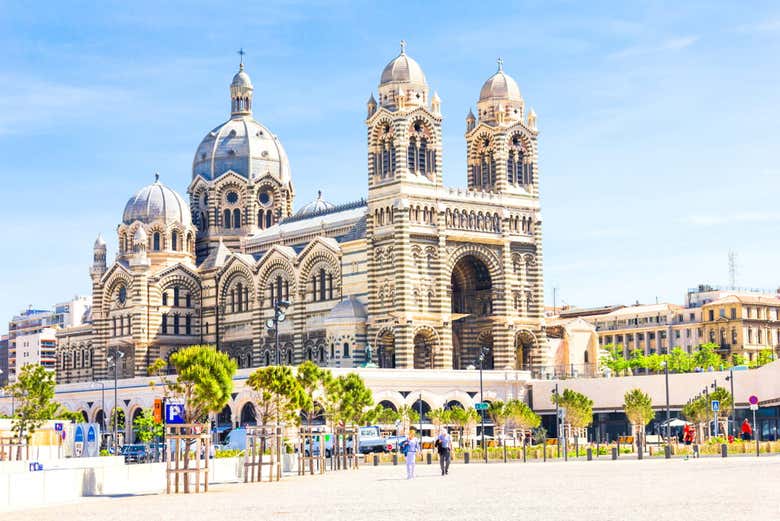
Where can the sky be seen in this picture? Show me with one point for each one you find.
(658, 123)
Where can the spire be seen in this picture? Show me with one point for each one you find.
(241, 90)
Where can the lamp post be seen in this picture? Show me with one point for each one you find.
(557, 422)
(280, 306)
(421, 414)
(102, 402)
(733, 413)
(668, 413)
(114, 360)
(481, 359)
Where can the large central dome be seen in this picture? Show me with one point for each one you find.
(241, 144)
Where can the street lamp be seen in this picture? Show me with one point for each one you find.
(668, 414)
(114, 360)
(481, 359)
(280, 306)
(733, 414)
(102, 402)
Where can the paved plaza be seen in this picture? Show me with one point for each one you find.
(711, 489)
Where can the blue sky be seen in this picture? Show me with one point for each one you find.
(658, 122)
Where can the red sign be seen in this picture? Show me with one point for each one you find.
(753, 399)
(157, 411)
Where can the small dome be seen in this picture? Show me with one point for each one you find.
(140, 236)
(316, 206)
(157, 202)
(500, 86)
(348, 309)
(403, 69)
(241, 79)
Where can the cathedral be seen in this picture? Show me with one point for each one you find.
(417, 275)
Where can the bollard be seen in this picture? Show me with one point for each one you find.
(667, 452)
(589, 453)
(466, 458)
(429, 458)
(695, 451)
(376, 459)
(525, 452)
(395, 459)
(614, 453)
(724, 450)
(544, 450)
(640, 453)
(504, 445)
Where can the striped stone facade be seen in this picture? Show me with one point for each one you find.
(417, 276)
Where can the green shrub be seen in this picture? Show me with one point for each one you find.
(228, 453)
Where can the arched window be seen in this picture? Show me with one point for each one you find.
(176, 324)
(165, 298)
(261, 219)
(202, 222)
(226, 218)
(585, 357)
(333, 350)
(176, 296)
(156, 241)
(345, 352)
(268, 218)
(322, 284)
(165, 323)
(175, 241)
(113, 329)
(189, 300)
(236, 218)
(188, 325)
(240, 294)
(289, 357)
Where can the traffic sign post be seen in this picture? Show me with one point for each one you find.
(715, 404)
(174, 413)
(753, 400)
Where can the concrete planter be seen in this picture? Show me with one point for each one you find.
(289, 462)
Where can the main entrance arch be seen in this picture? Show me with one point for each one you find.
(472, 307)
(385, 345)
(525, 344)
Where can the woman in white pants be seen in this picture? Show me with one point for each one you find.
(411, 450)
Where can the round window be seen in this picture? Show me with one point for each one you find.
(264, 198)
(122, 295)
(232, 197)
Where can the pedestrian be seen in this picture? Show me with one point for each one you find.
(688, 434)
(747, 430)
(410, 448)
(444, 446)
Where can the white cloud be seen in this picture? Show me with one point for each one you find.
(729, 218)
(672, 44)
(761, 27)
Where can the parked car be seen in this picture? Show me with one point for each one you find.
(372, 441)
(136, 452)
(394, 442)
(328, 445)
(236, 440)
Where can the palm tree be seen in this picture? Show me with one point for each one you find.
(465, 419)
(408, 415)
(440, 417)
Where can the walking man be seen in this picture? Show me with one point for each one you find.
(444, 445)
(410, 449)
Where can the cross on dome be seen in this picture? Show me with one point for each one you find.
(403, 46)
(500, 64)
(241, 53)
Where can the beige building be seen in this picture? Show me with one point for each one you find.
(743, 324)
(651, 328)
(417, 275)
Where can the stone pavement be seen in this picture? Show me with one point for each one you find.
(711, 489)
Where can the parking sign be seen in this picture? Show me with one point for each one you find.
(174, 413)
(715, 405)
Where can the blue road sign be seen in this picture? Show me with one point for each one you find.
(174, 413)
(715, 405)
(58, 427)
(481, 406)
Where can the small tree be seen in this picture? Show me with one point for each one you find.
(408, 416)
(146, 428)
(639, 410)
(706, 356)
(351, 398)
(578, 408)
(738, 359)
(521, 416)
(203, 383)
(465, 420)
(764, 357)
(439, 417)
(312, 380)
(278, 394)
(34, 395)
(499, 413)
(614, 360)
(679, 361)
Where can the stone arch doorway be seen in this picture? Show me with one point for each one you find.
(525, 345)
(424, 348)
(225, 418)
(248, 416)
(471, 306)
(137, 412)
(385, 343)
(485, 339)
